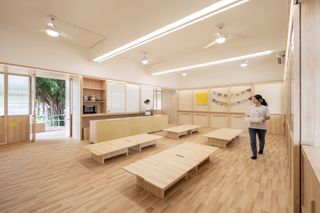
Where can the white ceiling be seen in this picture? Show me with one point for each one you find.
(255, 26)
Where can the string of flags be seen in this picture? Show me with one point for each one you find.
(232, 94)
(222, 103)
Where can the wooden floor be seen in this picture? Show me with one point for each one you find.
(59, 176)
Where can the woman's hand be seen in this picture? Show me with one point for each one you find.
(265, 118)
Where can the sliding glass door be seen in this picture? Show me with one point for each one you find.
(2, 120)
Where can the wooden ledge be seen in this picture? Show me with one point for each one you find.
(313, 155)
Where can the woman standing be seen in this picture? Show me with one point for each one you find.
(257, 115)
(147, 107)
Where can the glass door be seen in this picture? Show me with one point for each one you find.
(18, 108)
(2, 119)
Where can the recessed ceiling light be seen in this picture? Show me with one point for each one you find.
(184, 74)
(217, 7)
(211, 63)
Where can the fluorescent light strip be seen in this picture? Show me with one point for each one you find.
(200, 15)
(223, 61)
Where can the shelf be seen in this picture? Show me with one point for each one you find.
(94, 101)
(100, 89)
(94, 115)
(113, 114)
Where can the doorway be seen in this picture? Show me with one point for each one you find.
(50, 108)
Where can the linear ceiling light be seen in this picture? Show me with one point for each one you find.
(223, 61)
(200, 15)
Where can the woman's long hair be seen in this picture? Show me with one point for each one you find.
(261, 100)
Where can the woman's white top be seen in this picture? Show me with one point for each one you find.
(256, 116)
(147, 109)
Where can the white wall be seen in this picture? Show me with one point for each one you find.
(38, 50)
(261, 70)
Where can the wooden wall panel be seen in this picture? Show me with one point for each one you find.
(219, 121)
(237, 122)
(201, 119)
(310, 179)
(185, 118)
(108, 129)
(170, 105)
(276, 124)
(232, 99)
(294, 168)
(213, 95)
(274, 94)
(2, 130)
(185, 100)
(18, 128)
(310, 75)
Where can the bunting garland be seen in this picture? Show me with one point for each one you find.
(232, 94)
(240, 102)
(222, 103)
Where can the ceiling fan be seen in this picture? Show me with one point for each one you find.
(56, 27)
(221, 37)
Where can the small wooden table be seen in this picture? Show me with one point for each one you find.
(221, 137)
(108, 149)
(159, 172)
(177, 131)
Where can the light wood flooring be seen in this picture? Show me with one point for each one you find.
(59, 176)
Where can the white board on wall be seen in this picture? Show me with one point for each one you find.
(116, 96)
(146, 93)
(273, 94)
(185, 100)
(132, 98)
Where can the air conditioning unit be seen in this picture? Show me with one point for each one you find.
(281, 57)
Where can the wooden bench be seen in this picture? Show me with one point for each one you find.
(159, 172)
(177, 131)
(108, 149)
(221, 137)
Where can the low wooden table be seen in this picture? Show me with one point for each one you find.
(108, 149)
(138, 142)
(221, 137)
(177, 131)
(159, 172)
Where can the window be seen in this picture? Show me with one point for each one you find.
(116, 96)
(18, 95)
(157, 99)
(1, 94)
(132, 98)
(146, 93)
